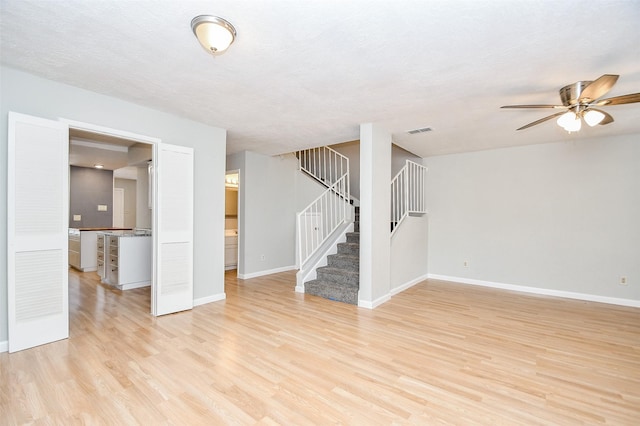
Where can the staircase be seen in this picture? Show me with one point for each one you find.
(340, 279)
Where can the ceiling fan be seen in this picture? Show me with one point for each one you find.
(580, 101)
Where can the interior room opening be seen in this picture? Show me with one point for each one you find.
(110, 211)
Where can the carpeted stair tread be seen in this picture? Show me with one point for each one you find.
(349, 248)
(353, 237)
(340, 279)
(344, 261)
(333, 291)
(338, 275)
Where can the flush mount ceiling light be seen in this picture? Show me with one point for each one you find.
(214, 34)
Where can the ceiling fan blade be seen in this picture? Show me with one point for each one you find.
(542, 120)
(619, 100)
(598, 88)
(533, 106)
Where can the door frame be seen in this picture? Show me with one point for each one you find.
(118, 208)
(240, 259)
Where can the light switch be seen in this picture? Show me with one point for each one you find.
(102, 207)
(77, 217)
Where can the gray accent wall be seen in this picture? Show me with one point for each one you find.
(351, 150)
(89, 188)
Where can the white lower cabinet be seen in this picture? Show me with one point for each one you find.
(127, 261)
(100, 243)
(231, 252)
(82, 249)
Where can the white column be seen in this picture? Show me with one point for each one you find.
(375, 218)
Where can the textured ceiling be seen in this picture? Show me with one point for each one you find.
(305, 73)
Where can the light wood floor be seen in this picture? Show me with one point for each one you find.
(438, 353)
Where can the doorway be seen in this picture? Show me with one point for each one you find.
(109, 199)
(38, 226)
(231, 222)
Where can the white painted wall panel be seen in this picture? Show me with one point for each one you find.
(560, 216)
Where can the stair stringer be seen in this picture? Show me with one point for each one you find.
(307, 272)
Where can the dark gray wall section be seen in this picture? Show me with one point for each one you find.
(87, 189)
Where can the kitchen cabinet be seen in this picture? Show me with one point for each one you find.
(230, 251)
(82, 250)
(100, 243)
(128, 260)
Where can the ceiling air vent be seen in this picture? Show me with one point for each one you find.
(422, 130)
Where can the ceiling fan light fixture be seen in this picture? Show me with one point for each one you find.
(566, 119)
(593, 117)
(574, 126)
(570, 121)
(215, 34)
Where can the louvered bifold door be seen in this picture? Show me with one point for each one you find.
(37, 231)
(174, 230)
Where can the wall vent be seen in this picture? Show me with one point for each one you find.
(421, 130)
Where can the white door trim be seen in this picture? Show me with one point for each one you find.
(93, 128)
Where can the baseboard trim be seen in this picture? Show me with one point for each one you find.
(132, 286)
(267, 272)
(209, 299)
(4, 346)
(541, 291)
(408, 284)
(375, 303)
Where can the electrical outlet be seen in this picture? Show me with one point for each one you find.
(623, 280)
(262, 257)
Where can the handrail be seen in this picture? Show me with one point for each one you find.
(407, 193)
(323, 164)
(326, 213)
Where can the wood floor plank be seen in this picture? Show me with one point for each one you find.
(437, 353)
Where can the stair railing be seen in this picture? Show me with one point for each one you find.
(407, 193)
(323, 164)
(332, 208)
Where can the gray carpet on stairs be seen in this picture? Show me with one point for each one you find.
(340, 279)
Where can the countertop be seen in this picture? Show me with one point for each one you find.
(126, 233)
(103, 229)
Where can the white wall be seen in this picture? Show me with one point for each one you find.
(562, 216)
(409, 258)
(27, 94)
(307, 190)
(267, 211)
(143, 212)
(375, 218)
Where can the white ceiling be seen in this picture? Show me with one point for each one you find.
(86, 149)
(306, 73)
